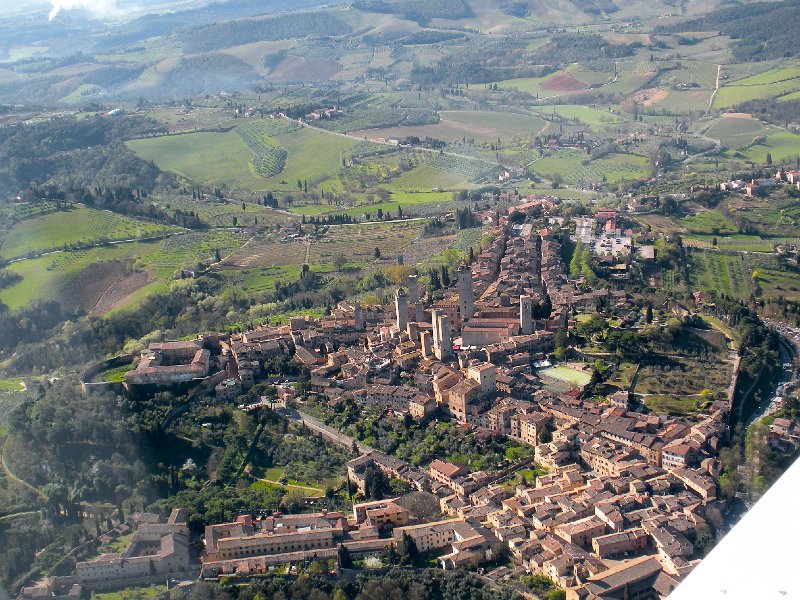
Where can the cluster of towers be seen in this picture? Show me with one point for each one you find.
(438, 341)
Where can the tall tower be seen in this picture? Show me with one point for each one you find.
(442, 344)
(413, 298)
(401, 308)
(526, 315)
(413, 289)
(466, 295)
(427, 346)
(358, 316)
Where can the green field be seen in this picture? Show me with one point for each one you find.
(594, 117)
(716, 271)
(567, 374)
(211, 159)
(52, 277)
(578, 168)
(675, 405)
(736, 133)
(784, 147)
(357, 243)
(11, 384)
(137, 593)
(425, 178)
(312, 156)
(774, 82)
(708, 222)
(490, 125)
(271, 478)
(115, 374)
(79, 226)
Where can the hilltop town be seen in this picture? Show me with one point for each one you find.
(620, 500)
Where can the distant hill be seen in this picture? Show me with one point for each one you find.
(762, 30)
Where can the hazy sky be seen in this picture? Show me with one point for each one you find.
(98, 8)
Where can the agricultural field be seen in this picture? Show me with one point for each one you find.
(578, 168)
(80, 226)
(708, 222)
(722, 272)
(268, 157)
(220, 213)
(208, 158)
(774, 278)
(737, 132)
(480, 126)
(261, 253)
(684, 376)
(357, 243)
(773, 82)
(111, 278)
(595, 117)
(783, 147)
(313, 156)
(425, 178)
(366, 118)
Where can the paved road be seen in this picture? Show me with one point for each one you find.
(790, 336)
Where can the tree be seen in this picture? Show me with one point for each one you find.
(407, 550)
(377, 253)
(648, 314)
(556, 180)
(561, 344)
(339, 261)
(345, 560)
(303, 385)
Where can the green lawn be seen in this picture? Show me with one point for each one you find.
(115, 375)
(79, 226)
(11, 384)
(567, 374)
(274, 476)
(137, 593)
(680, 405)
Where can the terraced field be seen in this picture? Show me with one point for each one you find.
(357, 243)
(259, 253)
